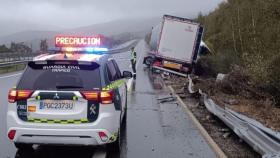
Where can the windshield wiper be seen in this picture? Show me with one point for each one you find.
(68, 87)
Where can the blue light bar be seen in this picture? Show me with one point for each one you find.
(87, 49)
(101, 49)
(90, 49)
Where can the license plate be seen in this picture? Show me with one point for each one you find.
(57, 105)
(172, 65)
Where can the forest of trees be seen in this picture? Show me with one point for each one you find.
(3, 48)
(245, 33)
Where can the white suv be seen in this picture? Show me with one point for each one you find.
(68, 99)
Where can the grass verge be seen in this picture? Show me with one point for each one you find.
(13, 68)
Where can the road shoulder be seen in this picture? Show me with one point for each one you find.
(218, 151)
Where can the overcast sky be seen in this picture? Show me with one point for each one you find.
(75, 13)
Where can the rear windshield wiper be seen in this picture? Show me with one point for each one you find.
(68, 87)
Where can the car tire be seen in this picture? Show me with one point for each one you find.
(125, 111)
(148, 61)
(23, 146)
(124, 116)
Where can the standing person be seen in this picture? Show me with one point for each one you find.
(133, 61)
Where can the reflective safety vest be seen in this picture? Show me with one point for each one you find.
(133, 57)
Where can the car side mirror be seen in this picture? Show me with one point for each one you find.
(127, 74)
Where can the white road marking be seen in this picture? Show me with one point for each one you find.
(99, 154)
(11, 75)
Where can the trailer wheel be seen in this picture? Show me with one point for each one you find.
(148, 61)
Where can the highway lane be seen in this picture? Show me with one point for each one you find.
(6, 82)
(153, 130)
(159, 130)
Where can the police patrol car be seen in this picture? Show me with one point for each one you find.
(69, 98)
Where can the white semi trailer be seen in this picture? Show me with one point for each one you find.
(175, 44)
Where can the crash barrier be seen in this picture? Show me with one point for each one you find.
(6, 64)
(125, 45)
(125, 49)
(11, 59)
(4, 56)
(263, 140)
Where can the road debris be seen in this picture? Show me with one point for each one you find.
(166, 99)
(224, 130)
(226, 135)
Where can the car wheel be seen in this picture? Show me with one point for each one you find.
(22, 146)
(148, 61)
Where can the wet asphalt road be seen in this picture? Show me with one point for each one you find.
(153, 130)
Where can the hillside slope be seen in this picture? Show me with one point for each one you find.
(246, 33)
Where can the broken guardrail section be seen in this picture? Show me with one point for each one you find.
(262, 139)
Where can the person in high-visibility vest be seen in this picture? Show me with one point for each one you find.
(133, 61)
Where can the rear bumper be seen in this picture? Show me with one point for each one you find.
(59, 136)
(69, 134)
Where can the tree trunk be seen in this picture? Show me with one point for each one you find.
(233, 36)
(254, 32)
(239, 30)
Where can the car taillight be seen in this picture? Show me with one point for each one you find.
(12, 96)
(89, 95)
(11, 134)
(15, 95)
(104, 97)
(103, 136)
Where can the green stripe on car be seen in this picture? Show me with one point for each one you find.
(50, 121)
(114, 85)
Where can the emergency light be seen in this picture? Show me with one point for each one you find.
(80, 43)
(86, 49)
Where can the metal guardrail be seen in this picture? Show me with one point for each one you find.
(15, 56)
(262, 139)
(18, 58)
(127, 48)
(6, 64)
(262, 142)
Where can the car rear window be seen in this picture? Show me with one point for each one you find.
(60, 76)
